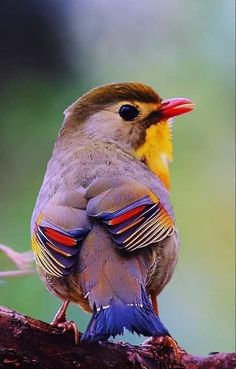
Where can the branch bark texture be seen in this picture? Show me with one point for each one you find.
(28, 343)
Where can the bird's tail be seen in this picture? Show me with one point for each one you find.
(111, 321)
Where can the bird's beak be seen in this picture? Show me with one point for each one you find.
(176, 106)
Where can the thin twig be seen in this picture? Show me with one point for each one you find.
(23, 260)
(16, 273)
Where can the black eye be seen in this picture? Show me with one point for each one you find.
(128, 112)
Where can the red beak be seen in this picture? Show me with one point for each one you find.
(175, 106)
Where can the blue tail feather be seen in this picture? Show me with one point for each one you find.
(111, 321)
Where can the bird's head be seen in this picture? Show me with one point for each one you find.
(131, 116)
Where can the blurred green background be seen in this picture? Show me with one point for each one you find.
(55, 51)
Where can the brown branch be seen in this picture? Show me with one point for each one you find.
(29, 343)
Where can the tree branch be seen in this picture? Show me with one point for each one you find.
(28, 343)
(23, 260)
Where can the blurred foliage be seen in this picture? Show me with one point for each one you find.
(180, 48)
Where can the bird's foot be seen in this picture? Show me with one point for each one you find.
(68, 326)
(61, 322)
(167, 341)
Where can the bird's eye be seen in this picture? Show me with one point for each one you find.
(128, 112)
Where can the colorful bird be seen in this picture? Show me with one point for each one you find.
(103, 229)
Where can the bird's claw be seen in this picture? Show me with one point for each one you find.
(69, 326)
(168, 342)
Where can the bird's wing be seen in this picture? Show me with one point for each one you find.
(134, 216)
(59, 231)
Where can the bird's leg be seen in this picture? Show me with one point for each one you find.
(167, 340)
(155, 303)
(60, 315)
(60, 321)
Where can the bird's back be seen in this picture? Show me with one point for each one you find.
(78, 168)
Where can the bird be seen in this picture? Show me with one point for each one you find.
(103, 228)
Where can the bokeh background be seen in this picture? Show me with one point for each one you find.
(51, 53)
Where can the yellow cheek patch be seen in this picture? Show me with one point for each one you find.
(157, 150)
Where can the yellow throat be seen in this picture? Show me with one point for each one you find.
(157, 149)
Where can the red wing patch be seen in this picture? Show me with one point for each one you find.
(139, 224)
(60, 237)
(56, 250)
